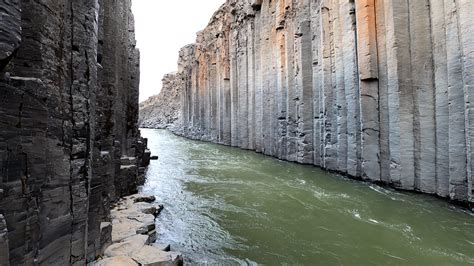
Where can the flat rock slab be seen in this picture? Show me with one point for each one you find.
(152, 256)
(128, 247)
(117, 261)
(133, 232)
(130, 218)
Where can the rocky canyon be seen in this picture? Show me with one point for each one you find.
(377, 90)
(69, 139)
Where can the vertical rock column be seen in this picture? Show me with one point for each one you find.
(351, 87)
(424, 104)
(83, 89)
(375, 89)
(369, 95)
(59, 136)
(439, 50)
(400, 96)
(465, 8)
(305, 93)
(458, 185)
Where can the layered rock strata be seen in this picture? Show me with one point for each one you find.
(379, 90)
(69, 141)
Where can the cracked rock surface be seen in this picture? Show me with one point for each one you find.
(134, 234)
(377, 90)
(69, 141)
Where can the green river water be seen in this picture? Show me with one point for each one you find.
(229, 206)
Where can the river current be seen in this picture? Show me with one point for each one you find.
(225, 205)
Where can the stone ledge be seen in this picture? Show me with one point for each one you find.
(134, 234)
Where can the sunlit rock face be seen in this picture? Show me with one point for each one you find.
(378, 90)
(163, 110)
(69, 141)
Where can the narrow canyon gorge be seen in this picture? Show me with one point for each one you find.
(377, 90)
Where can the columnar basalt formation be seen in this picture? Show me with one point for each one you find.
(69, 141)
(379, 90)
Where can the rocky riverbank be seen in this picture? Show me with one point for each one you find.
(133, 233)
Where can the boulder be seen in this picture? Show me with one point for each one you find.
(145, 198)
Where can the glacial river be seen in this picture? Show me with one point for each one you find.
(229, 206)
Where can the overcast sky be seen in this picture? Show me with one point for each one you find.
(162, 28)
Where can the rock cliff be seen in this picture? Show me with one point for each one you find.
(162, 110)
(375, 89)
(69, 141)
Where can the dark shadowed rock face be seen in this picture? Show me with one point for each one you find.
(10, 30)
(69, 141)
(378, 90)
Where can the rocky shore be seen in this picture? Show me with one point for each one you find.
(133, 233)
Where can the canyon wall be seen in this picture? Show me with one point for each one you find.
(69, 141)
(162, 110)
(375, 89)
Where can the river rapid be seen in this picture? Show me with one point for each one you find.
(225, 205)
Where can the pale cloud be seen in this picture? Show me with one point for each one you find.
(162, 28)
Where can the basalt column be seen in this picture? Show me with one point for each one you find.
(378, 90)
(68, 127)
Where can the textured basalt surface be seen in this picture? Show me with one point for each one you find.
(69, 141)
(379, 90)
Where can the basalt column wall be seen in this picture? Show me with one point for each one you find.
(69, 141)
(379, 90)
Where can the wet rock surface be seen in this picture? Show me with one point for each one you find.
(134, 234)
(69, 140)
(377, 90)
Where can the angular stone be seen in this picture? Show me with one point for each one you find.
(117, 261)
(127, 247)
(145, 198)
(152, 256)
